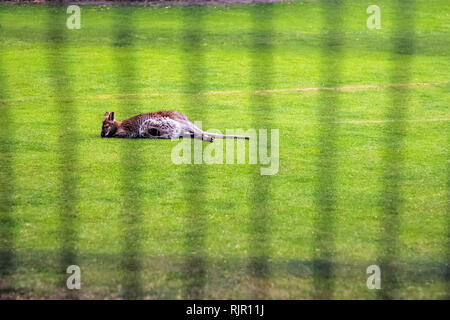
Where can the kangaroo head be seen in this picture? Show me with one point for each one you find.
(109, 125)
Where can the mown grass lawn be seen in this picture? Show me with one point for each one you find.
(223, 197)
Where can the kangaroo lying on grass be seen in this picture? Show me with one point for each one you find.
(157, 125)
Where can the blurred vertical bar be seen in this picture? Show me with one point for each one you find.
(447, 243)
(261, 77)
(7, 267)
(67, 138)
(131, 215)
(402, 38)
(194, 176)
(325, 193)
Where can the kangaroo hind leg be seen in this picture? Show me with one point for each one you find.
(196, 133)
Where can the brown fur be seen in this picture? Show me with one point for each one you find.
(164, 124)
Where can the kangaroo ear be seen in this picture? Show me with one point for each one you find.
(106, 117)
(112, 116)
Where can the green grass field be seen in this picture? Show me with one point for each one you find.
(220, 204)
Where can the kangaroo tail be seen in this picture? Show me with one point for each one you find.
(225, 136)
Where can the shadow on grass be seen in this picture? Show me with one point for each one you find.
(130, 156)
(262, 62)
(227, 277)
(193, 178)
(395, 133)
(67, 142)
(7, 266)
(326, 165)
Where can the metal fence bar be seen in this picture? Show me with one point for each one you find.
(67, 141)
(261, 78)
(195, 175)
(326, 166)
(130, 157)
(7, 257)
(403, 42)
